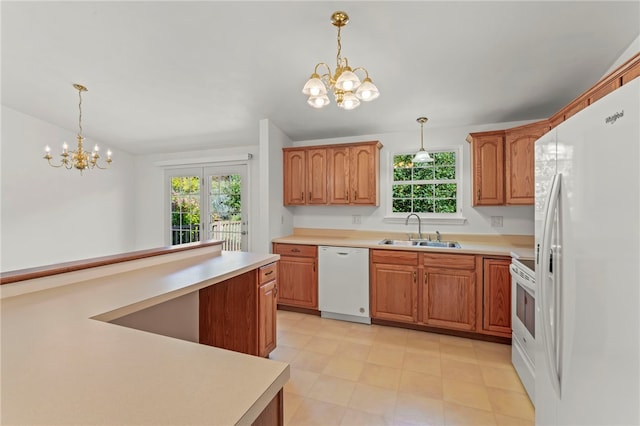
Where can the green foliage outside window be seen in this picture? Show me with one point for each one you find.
(425, 187)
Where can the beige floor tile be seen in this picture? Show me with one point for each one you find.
(291, 403)
(374, 400)
(494, 358)
(312, 412)
(423, 362)
(287, 324)
(459, 415)
(322, 345)
(332, 389)
(361, 335)
(392, 336)
(380, 375)
(307, 327)
(468, 394)
(414, 408)
(344, 368)
(501, 377)
(459, 352)
(454, 340)
(300, 381)
(513, 404)
(362, 418)
(503, 420)
(388, 355)
(421, 384)
(310, 361)
(359, 351)
(283, 353)
(423, 346)
(293, 339)
(455, 369)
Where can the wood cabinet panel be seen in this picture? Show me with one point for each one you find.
(496, 306)
(317, 176)
(449, 299)
(520, 160)
(487, 150)
(363, 172)
(298, 282)
(338, 175)
(267, 311)
(455, 261)
(302, 250)
(295, 177)
(394, 257)
(229, 314)
(394, 292)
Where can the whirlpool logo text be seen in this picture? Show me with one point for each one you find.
(612, 118)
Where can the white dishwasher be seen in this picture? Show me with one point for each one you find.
(343, 283)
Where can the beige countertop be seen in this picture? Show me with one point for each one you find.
(482, 244)
(63, 364)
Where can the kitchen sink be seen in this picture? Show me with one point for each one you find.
(420, 243)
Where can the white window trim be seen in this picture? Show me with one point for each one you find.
(428, 218)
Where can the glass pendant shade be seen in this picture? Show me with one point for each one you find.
(347, 81)
(367, 91)
(314, 87)
(349, 101)
(318, 101)
(422, 156)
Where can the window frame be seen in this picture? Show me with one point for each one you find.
(456, 218)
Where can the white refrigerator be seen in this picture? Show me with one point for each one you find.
(587, 230)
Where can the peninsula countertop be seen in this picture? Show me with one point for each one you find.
(62, 363)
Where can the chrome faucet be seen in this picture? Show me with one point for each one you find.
(406, 222)
(438, 238)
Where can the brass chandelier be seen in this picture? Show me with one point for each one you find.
(347, 88)
(79, 158)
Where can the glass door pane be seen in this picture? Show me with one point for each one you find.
(227, 210)
(185, 209)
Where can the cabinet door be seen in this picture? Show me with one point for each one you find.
(496, 316)
(298, 282)
(363, 175)
(294, 177)
(267, 317)
(338, 175)
(488, 170)
(519, 162)
(394, 292)
(317, 176)
(449, 298)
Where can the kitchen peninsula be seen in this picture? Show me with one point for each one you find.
(63, 362)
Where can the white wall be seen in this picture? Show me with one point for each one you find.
(633, 48)
(151, 204)
(275, 220)
(516, 219)
(55, 215)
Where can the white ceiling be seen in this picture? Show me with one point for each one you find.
(173, 76)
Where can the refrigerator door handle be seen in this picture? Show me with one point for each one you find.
(550, 331)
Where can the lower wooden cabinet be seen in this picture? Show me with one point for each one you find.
(297, 275)
(449, 298)
(496, 303)
(394, 292)
(239, 314)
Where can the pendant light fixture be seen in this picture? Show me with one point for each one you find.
(347, 88)
(422, 156)
(79, 158)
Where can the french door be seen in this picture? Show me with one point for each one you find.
(208, 203)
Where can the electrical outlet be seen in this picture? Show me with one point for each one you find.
(496, 221)
(356, 219)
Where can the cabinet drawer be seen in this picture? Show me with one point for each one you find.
(295, 250)
(457, 261)
(394, 257)
(268, 272)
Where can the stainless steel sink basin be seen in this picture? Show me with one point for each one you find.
(420, 243)
(399, 242)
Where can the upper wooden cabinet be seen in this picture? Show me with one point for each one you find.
(502, 163)
(519, 162)
(342, 174)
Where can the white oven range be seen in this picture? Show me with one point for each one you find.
(523, 290)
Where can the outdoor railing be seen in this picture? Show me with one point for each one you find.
(227, 230)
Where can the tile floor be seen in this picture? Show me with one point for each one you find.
(345, 373)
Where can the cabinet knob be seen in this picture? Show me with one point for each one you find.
(295, 250)
(478, 195)
(415, 277)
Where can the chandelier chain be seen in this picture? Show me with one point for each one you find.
(338, 58)
(80, 109)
